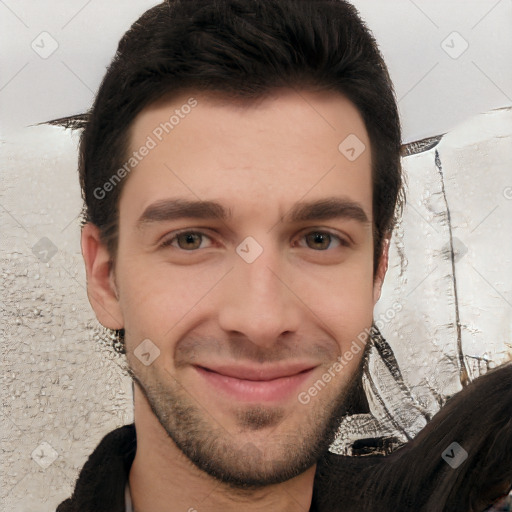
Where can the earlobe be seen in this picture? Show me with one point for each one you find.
(101, 288)
(382, 268)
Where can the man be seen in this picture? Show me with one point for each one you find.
(241, 175)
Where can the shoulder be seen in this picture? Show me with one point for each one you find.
(101, 481)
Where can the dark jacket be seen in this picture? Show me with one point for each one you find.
(100, 486)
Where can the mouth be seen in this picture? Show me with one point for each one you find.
(250, 384)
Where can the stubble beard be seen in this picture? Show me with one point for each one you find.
(241, 464)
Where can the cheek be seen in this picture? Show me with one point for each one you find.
(342, 300)
(156, 297)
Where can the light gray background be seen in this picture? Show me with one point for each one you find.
(435, 91)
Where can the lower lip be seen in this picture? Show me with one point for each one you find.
(255, 390)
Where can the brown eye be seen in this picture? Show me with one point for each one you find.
(186, 240)
(318, 240)
(322, 240)
(189, 241)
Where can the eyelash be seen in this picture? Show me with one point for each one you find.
(169, 241)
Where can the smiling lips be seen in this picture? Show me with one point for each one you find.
(256, 384)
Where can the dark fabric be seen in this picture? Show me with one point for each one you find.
(101, 483)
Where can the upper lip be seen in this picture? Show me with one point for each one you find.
(246, 372)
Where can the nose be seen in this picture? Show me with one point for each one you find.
(258, 301)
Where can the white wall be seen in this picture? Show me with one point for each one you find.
(435, 90)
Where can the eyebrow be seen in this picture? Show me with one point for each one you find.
(323, 209)
(172, 209)
(329, 208)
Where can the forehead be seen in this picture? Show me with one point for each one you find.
(268, 152)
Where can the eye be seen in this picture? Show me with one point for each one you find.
(323, 240)
(193, 240)
(186, 240)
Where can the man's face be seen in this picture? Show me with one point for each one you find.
(248, 310)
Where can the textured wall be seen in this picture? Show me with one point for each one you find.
(451, 259)
(61, 387)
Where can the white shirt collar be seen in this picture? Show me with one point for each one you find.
(128, 499)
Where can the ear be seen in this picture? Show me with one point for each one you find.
(101, 288)
(382, 268)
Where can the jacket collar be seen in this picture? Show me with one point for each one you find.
(101, 484)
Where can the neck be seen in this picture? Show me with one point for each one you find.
(163, 479)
